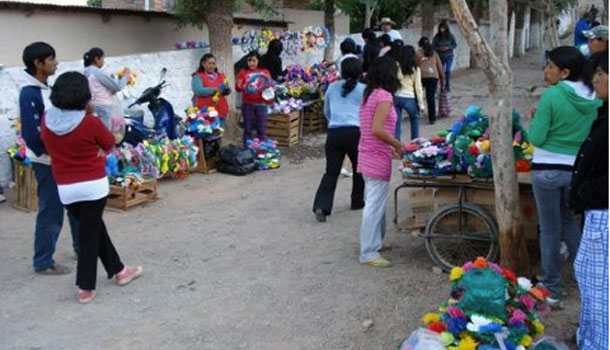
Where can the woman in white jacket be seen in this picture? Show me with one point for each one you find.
(103, 86)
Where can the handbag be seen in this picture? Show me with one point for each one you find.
(444, 106)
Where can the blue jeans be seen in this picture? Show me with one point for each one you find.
(409, 104)
(372, 230)
(447, 62)
(49, 220)
(551, 191)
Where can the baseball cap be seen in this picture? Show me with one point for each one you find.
(599, 32)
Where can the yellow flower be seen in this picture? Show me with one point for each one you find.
(467, 344)
(526, 341)
(442, 308)
(452, 301)
(455, 274)
(485, 146)
(431, 318)
(538, 327)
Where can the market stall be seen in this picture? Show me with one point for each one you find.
(451, 191)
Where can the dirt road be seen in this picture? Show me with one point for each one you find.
(238, 263)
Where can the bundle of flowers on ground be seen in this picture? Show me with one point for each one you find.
(128, 165)
(204, 123)
(266, 153)
(490, 308)
(465, 149)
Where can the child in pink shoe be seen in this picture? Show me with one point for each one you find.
(77, 142)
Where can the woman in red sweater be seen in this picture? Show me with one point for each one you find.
(210, 87)
(257, 88)
(77, 142)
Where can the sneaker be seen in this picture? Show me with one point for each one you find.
(128, 274)
(320, 216)
(85, 296)
(2, 198)
(346, 172)
(555, 303)
(379, 262)
(54, 270)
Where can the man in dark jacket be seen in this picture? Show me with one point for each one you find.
(40, 63)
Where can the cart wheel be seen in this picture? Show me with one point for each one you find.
(454, 237)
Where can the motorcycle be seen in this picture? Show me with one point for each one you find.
(166, 122)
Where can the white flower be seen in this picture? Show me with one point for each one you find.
(520, 347)
(476, 322)
(524, 283)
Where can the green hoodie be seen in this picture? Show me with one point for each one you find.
(563, 120)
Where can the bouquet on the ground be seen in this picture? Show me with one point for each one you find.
(489, 308)
(266, 153)
(204, 123)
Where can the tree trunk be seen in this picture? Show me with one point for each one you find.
(219, 20)
(499, 76)
(368, 15)
(329, 22)
(477, 14)
(427, 21)
(519, 26)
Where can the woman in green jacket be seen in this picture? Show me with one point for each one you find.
(561, 124)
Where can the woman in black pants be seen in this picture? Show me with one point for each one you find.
(342, 109)
(431, 69)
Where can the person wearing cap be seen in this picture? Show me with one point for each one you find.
(597, 39)
(386, 26)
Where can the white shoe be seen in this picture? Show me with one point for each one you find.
(346, 172)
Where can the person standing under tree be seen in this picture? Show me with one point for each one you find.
(210, 87)
(444, 43)
(386, 25)
(40, 62)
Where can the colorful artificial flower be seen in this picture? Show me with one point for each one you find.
(476, 322)
(455, 274)
(526, 341)
(455, 312)
(437, 327)
(524, 283)
(448, 338)
(528, 302)
(468, 266)
(509, 275)
(431, 318)
(467, 343)
(495, 267)
(538, 327)
(480, 263)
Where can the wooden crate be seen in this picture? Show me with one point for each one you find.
(124, 198)
(25, 194)
(205, 166)
(313, 118)
(286, 129)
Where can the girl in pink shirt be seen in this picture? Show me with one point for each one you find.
(376, 148)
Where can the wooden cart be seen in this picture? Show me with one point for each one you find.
(455, 216)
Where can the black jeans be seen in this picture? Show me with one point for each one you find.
(340, 142)
(93, 243)
(430, 85)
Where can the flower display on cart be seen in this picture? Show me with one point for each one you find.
(464, 149)
(204, 123)
(489, 308)
(266, 153)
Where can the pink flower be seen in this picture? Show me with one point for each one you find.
(528, 302)
(518, 316)
(495, 267)
(468, 266)
(455, 312)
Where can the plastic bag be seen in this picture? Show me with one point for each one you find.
(484, 293)
(238, 170)
(235, 155)
(423, 339)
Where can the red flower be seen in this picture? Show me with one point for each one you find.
(437, 327)
(473, 149)
(509, 275)
(481, 263)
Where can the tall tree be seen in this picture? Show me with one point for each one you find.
(218, 15)
(329, 22)
(427, 19)
(494, 63)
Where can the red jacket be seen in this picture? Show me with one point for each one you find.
(202, 101)
(244, 83)
(75, 156)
